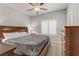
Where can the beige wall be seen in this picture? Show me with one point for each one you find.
(9, 16)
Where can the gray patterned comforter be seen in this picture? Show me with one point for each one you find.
(28, 45)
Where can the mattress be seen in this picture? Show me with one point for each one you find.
(28, 45)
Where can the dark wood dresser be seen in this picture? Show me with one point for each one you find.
(72, 40)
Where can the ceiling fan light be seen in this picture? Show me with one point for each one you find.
(37, 9)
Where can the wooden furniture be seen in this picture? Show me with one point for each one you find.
(13, 29)
(7, 29)
(6, 50)
(43, 52)
(18, 29)
(72, 40)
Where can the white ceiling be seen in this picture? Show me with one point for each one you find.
(23, 7)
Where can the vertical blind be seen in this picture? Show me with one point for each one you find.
(49, 27)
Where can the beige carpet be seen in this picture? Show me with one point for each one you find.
(55, 50)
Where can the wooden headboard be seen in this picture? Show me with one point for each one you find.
(7, 29)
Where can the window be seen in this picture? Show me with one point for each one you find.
(44, 27)
(49, 27)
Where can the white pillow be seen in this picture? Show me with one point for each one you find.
(14, 35)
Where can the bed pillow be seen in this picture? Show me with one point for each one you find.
(14, 35)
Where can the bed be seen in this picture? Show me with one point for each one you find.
(28, 45)
(31, 45)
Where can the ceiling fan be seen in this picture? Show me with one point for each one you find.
(37, 7)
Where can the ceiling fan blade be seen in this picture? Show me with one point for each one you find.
(41, 4)
(30, 9)
(32, 4)
(43, 9)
